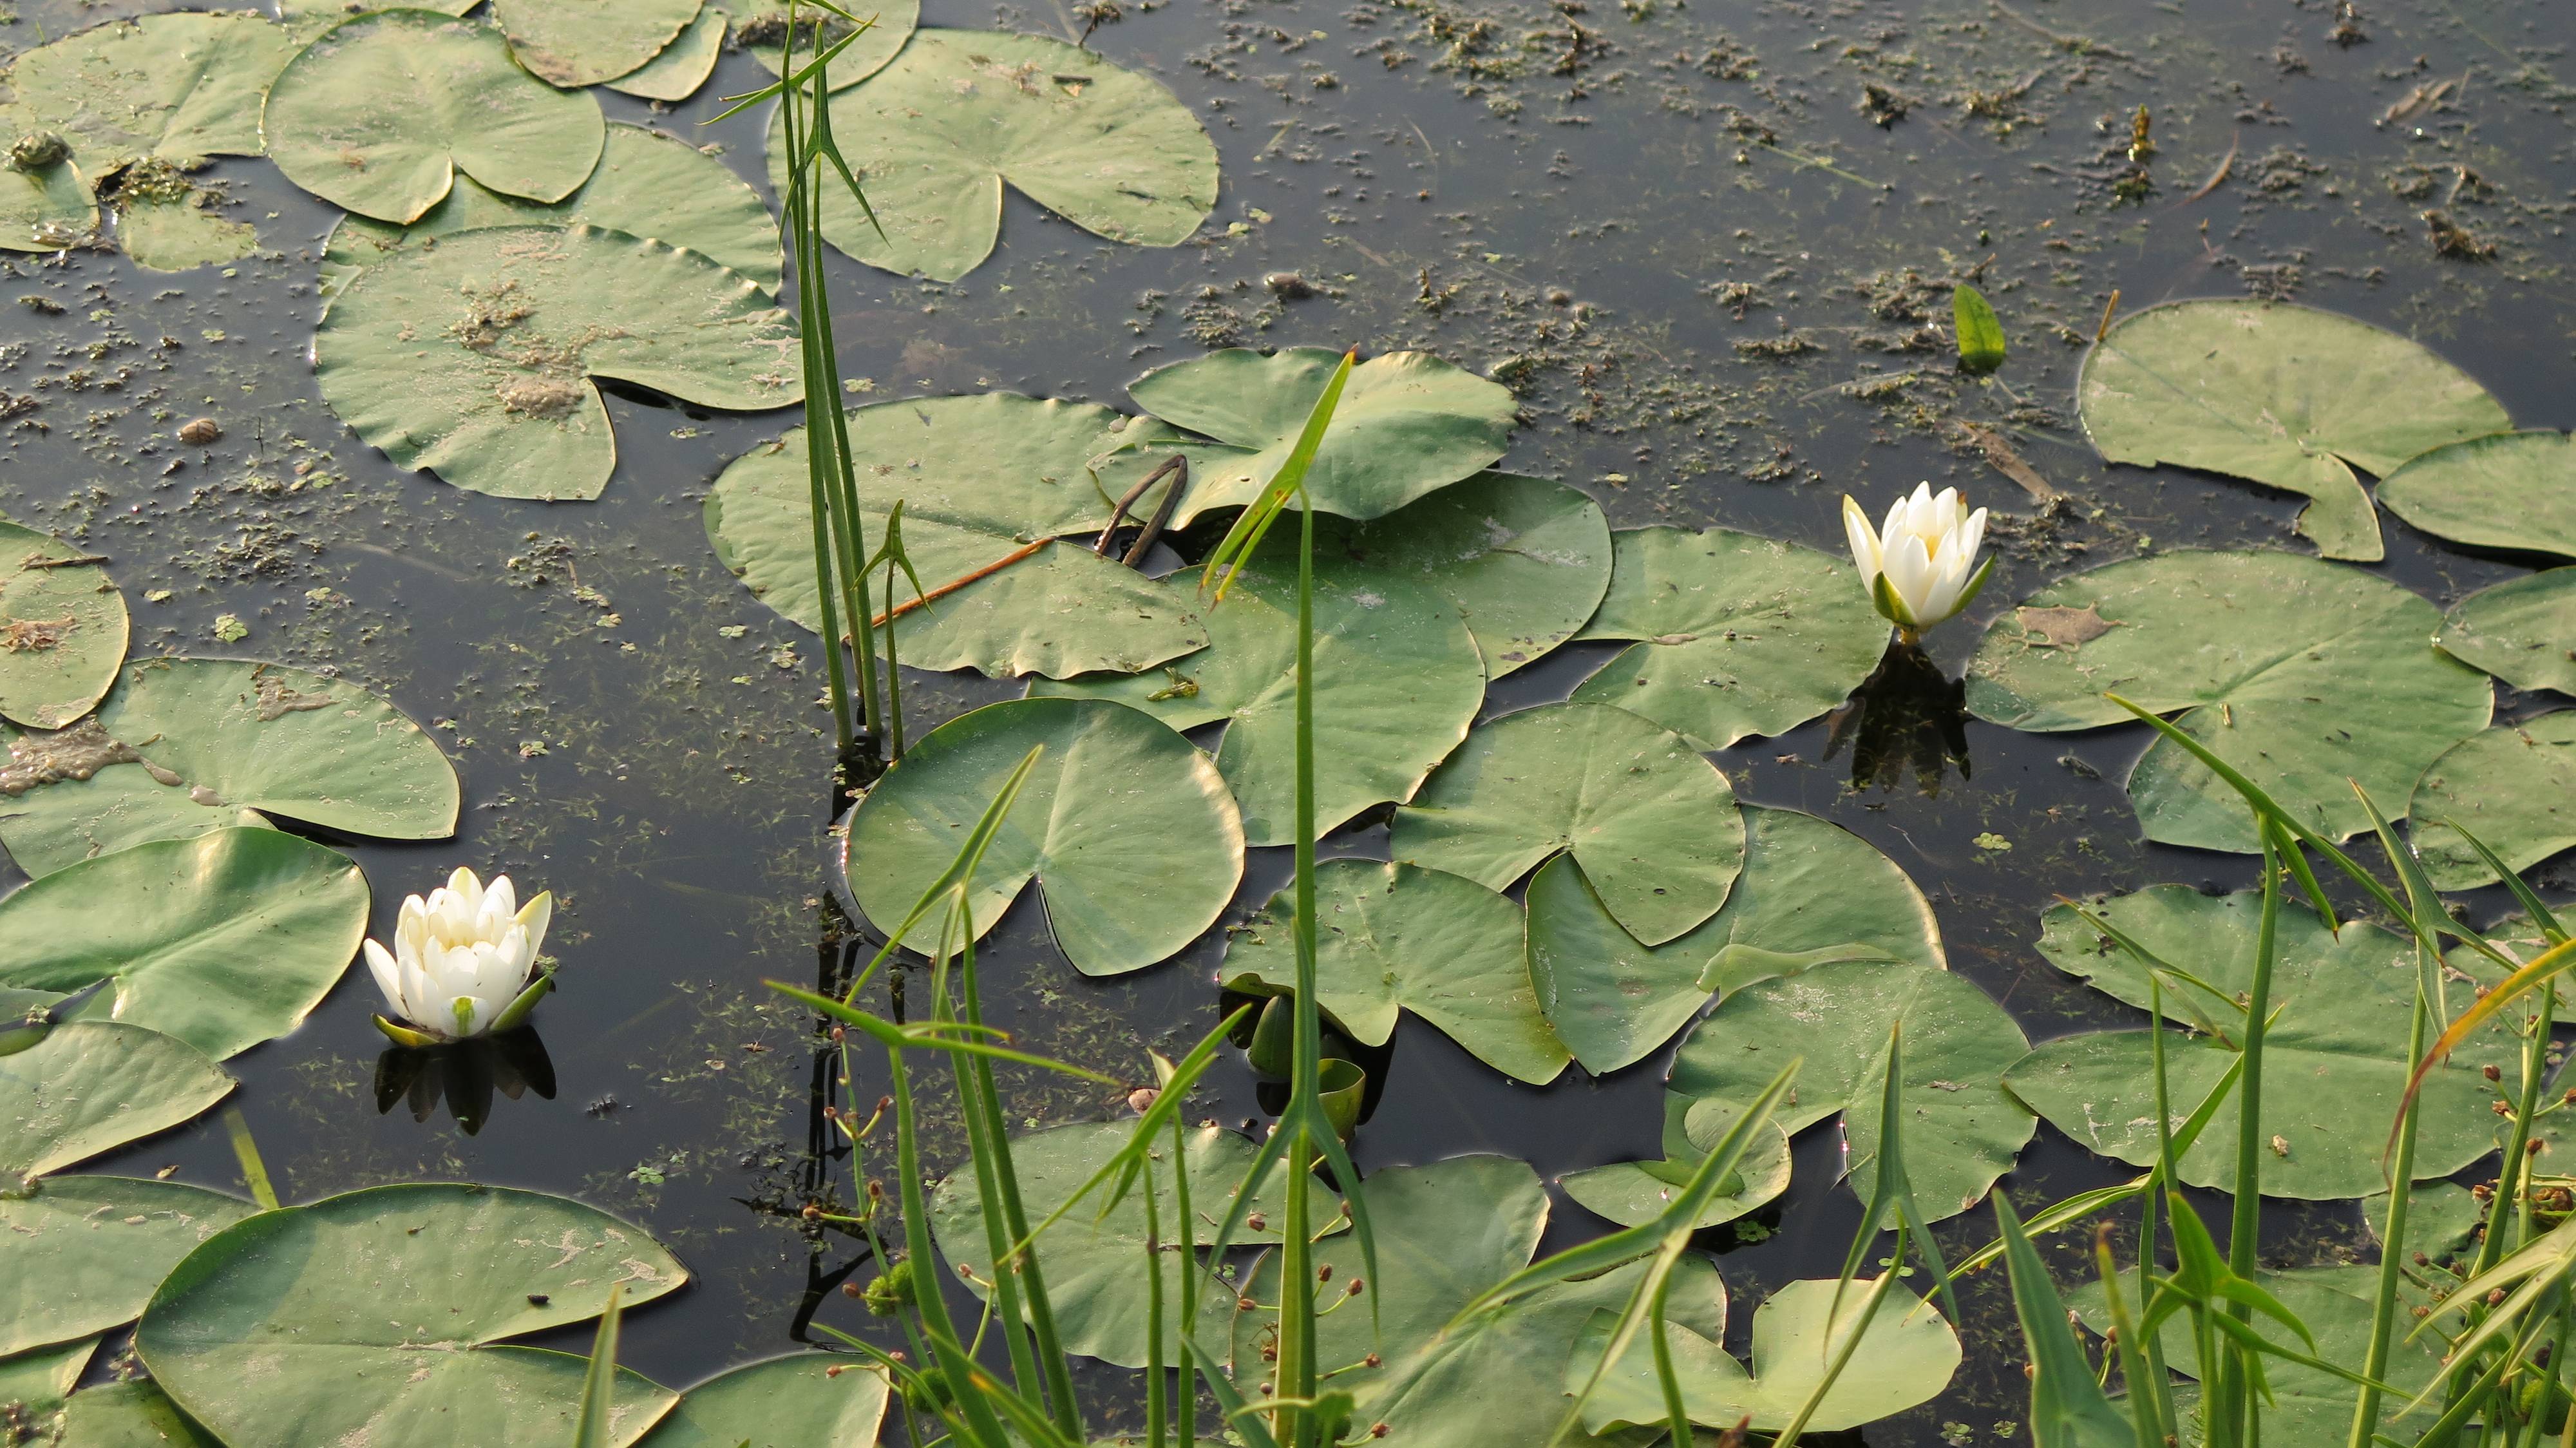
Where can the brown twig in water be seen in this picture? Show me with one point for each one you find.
(63, 562)
(2001, 456)
(2217, 178)
(2110, 309)
(954, 584)
(1176, 467)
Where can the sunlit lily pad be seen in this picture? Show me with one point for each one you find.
(763, 34)
(2513, 786)
(183, 746)
(92, 1086)
(647, 184)
(1646, 817)
(380, 114)
(2522, 630)
(980, 478)
(2511, 490)
(45, 208)
(684, 64)
(1811, 893)
(1738, 635)
(1408, 424)
(39, 1380)
(1526, 560)
(959, 112)
(86, 1252)
(180, 87)
(823, 1399)
(1128, 830)
(1399, 937)
(131, 1415)
(1962, 1130)
(2300, 674)
(2287, 396)
(583, 42)
(2344, 1007)
(62, 629)
(476, 358)
(374, 1316)
(1635, 1192)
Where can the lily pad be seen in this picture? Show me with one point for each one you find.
(2261, 652)
(184, 746)
(583, 42)
(1738, 635)
(2522, 630)
(980, 478)
(683, 66)
(1811, 892)
(1393, 938)
(2513, 786)
(476, 358)
(375, 1316)
(92, 1086)
(810, 1400)
(647, 184)
(1397, 681)
(764, 32)
(87, 1251)
(1633, 1193)
(224, 940)
(1645, 816)
(1962, 1131)
(45, 208)
(1407, 425)
(37, 1382)
(1094, 1262)
(1526, 560)
(2513, 490)
(959, 112)
(2286, 396)
(381, 112)
(180, 232)
(62, 629)
(178, 87)
(131, 1415)
(1126, 827)
(2341, 1037)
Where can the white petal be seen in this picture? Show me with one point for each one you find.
(1972, 535)
(502, 890)
(1864, 543)
(1909, 572)
(534, 917)
(388, 973)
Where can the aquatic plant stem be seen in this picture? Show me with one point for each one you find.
(1187, 1403)
(2392, 1236)
(818, 502)
(2234, 1400)
(1296, 1366)
(1155, 1377)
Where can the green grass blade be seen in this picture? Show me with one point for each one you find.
(599, 1384)
(2068, 1408)
(1245, 535)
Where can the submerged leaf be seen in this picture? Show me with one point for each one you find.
(2513, 786)
(2522, 630)
(62, 629)
(180, 232)
(583, 42)
(2512, 490)
(92, 1086)
(86, 1252)
(45, 208)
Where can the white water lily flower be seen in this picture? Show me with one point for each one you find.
(462, 960)
(1922, 566)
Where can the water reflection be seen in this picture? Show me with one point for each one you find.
(1906, 714)
(465, 1074)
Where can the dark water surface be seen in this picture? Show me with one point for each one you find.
(1679, 232)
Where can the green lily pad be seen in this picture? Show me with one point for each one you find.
(92, 1086)
(763, 35)
(180, 232)
(959, 112)
(1811, 892)
(2262, 652)
(683, 66)
(1126, 827)
(1398, 937)
(1645, 816)
(1738, 635)
(583, 42)
(2513, 786)
(2286, 396)
(184, 746)
(375, 1316)
(224, 940)
(37, 1382)
(1526, 560)
(2522, 630)
(62, 630)
(381, 112)
(179, 87)
(1633, 1193)
(2514, 490)
(88, 1250)
(1963, 1130)
(809, 1400)
(1397, 681)
(476, 358)
(131, 1415)
(647, 184)
(980, 478)
(1094, 1262)
(2341, 1037)
(47, 208)
(1407, 425)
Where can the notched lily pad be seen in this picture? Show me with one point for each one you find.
(1526, 560)
(86, 1252)
(2513, 786)
(583, 42)
(1904, 1358)
(683, 66)
(809, 1398)
(178, 87)
(2512, 490)
(763, 34)
(63, 629)
(2522, 630)
(90, 1087)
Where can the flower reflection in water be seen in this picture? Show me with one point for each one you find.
(1906, 713)
(466, 1073)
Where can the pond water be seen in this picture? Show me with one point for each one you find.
(1710, 245)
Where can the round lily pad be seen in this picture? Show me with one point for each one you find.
(1407, 424)
(2513, 786)
(45, 208)
(820, 1399)
(224, 940)
(1647, 818)
(374, 1317)
(2287, 396)
(2522, 630)
(684, 64)
(2264, 655)
(62, 629)
(2513, 490)
(381, 112)
(87, 1251)
(179, 87)
(1633, 1193)
(959, 112)
(476, 358)
(583, 42)
(764, 34)
(648, 184)
(1738, 635)
(1128, 830)
(92, 1086)
(1393, 938)
(1526, 560)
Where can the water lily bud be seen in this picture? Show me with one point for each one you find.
(463, 962)
(1921, 566)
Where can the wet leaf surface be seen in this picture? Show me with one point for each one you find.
(131, 1415)
(46, 208)
(39, 1380)
(181, 233)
